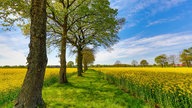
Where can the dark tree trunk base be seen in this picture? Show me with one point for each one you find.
(25, 104)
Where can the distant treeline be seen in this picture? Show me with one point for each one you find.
(24, 66)
(97, 65)
(125, 65)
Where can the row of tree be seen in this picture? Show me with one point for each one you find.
(87, 59)
(184, 59)
(58, 23)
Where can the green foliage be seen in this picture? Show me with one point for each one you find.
(88, 56)
(70, 64)
(117, 62)
(97, 26)
(144, 63)
(186, 56)
(161, 60)
(14, 12)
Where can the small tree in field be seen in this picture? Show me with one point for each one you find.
(172, 59)
(186, 57)
(134, 63)
(70, 64)
(161, 60)
(88, 57)
(144, 63)
(117, 62)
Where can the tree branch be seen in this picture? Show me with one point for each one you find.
(53, 17)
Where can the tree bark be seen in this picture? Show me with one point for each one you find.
(62, 73)
(79, 62)
(30, 95)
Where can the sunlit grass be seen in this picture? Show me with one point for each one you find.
(90, 91)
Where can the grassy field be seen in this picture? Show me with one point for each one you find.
(90, 91)
(165, 87)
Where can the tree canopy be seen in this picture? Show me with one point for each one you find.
(161, 60)
(88, 57)
(134, 63)
(186, 56)
(144, 63)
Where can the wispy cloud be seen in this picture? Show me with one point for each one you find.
(120, 4)
(166, 4)
(14, 48)
(150, 47)
(160, 21)
(131, 9)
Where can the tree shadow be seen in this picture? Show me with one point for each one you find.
(91, 91)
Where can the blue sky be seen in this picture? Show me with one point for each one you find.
(152, 27)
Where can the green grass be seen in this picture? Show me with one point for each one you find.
(89, 91)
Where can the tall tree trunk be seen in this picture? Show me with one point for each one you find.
(62, 73)
(30, 95)
(79, 62)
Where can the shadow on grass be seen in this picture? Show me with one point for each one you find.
(89, 91)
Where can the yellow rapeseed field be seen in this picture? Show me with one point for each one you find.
(11, 78)
(171, 87)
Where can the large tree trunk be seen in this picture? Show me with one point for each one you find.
(30, 95)
(62, 73)
(79, 62)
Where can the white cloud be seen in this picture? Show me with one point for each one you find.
(145, 48)
(166, 4)
(9, 56)
(130, 9)
(120, 4)
(159, 21)
(14, 48)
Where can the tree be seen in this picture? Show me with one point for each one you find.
(14, 11)
(70, 64)
(59, 14)
(134, 63)
(186, 56)
(88, 57)
(99, 27)
(172, 59)
(161, 60)
(144, 63)
(30, 95)
(117, 62)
